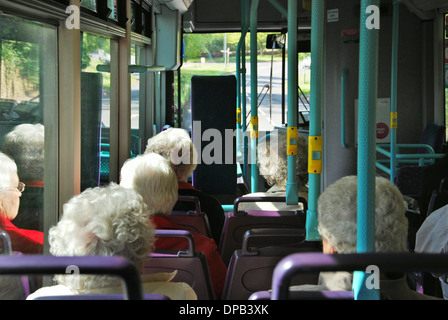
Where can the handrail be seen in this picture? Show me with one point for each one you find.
(253, 93)
(266, 232)
(367, 90)
(343, 94)
(421, 159)
(304, 96)
(291, 182)
(316, 105)
(265, 199)
(132, 68)
(195, 200)
(268, 88)
(241, 85)
(319, 262)
(104, 265)
(161, 233)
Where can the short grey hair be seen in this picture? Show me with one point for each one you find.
(104, 221)
(273, 159)
(176, 145)
(337, 216)
(153, 178)
(26, 145)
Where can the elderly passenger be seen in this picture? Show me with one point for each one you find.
(272, 162)
(432, 237)
(26, 144)
(337, 215)
(22, 240)
(151, 175)
(107, 221)
(176, 145)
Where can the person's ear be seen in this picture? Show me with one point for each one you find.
(331, 249)
(327, 247)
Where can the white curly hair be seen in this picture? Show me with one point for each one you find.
(104, 221)
(273, 160)
(337, 216)
(26, 145)
(176, 145)
(152, 176)
(8, 170)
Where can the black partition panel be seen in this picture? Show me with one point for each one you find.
(91, 101)
(213, 105)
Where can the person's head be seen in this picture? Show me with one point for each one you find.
(102, 221)
(26, 145)
(9, 192)
(176, 145)
(273, 159)
(337, 216)
(153, 178)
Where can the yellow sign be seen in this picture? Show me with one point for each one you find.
(394, 120)
(254, 127)
(315, 154)
(291, 135)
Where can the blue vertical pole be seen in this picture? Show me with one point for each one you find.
(368, 87)
(343, 98)
(291, 184)
(394, 82)
(315, 139)
(243, 93)
(253, 94)
(241, 86)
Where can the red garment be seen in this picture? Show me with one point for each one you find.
(217, 268)
(185, 185)
(23, 240)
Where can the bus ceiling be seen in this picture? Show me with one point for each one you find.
(218, 16)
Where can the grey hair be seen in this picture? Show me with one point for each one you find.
(104, 221)
(273, 160)
(176, 145)
(26, 145)
(153, 178)
(337, 216)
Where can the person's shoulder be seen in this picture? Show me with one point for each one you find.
(57, 290)
(173, 290)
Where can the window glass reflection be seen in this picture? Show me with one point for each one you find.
(95, 110)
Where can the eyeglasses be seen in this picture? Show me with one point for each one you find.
(20, 187)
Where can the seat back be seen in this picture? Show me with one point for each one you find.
(191, 265)
(433, 135)
(439, 197)
(147, 296)
(6, 243)
(295, 263)
(104, 265)
(191, 220)
(238, 222)
(438, 200)
(307, 295)
(409, 180)
(250, 269)
(12, 287)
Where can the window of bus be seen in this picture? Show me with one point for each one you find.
(28, 112)
(136, 102)
(445, 57)
(95, 110)
(215, 54)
